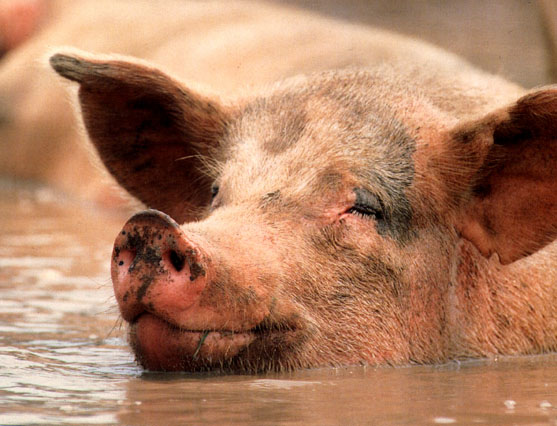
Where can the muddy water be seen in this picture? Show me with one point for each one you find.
(64, 358)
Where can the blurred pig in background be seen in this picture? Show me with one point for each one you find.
(224, 47)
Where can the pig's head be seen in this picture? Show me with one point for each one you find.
(316, 224)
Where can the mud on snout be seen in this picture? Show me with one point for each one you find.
(188, 310)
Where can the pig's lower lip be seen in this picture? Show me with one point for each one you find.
(161, 346)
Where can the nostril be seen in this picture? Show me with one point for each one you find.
(177, 260)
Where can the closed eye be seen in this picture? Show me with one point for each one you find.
(367, 205)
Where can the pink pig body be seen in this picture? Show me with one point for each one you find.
(399, 210)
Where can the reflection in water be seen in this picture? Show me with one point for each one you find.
(64, 358)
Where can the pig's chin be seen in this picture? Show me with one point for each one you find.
(161, 346)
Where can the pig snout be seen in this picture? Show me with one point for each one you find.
(180, 313)
(155, 267)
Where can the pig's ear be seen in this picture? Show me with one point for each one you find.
(510, 156)
(153, 135)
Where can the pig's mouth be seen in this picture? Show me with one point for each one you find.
(162, 346)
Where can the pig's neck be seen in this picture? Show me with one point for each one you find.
(497, 309)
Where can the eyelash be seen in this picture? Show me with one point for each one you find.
(367, 205)
(365, 212)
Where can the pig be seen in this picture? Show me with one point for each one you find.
(390, 214)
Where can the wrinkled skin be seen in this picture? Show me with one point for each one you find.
(360, 216)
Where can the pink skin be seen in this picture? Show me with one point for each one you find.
(152, 244)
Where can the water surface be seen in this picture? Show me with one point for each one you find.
(64, 357)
